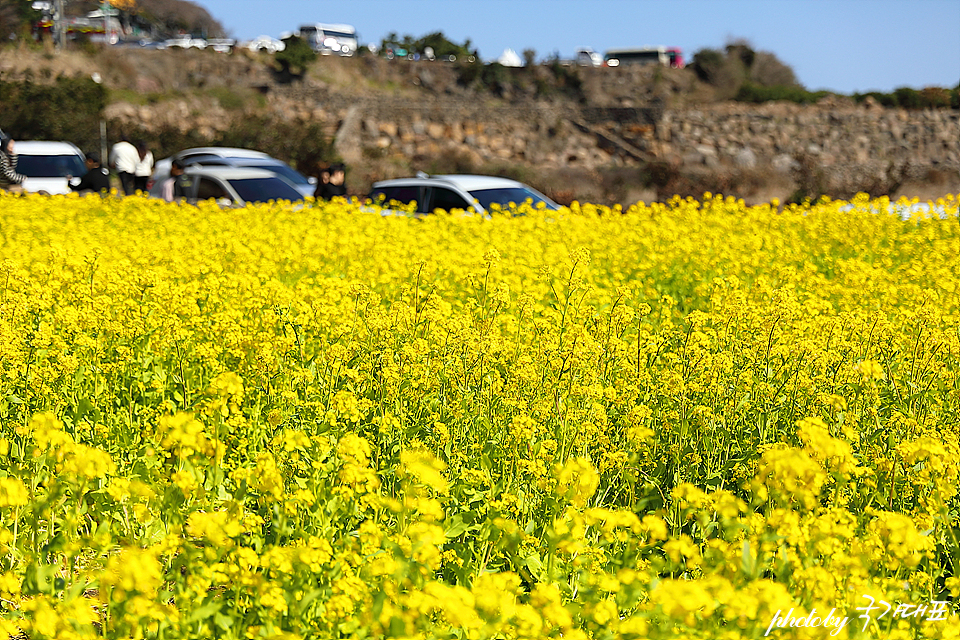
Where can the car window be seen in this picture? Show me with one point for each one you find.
(280, 168)
(403, 195)
(506, 195)
(207, 188)
(53, 166)
(265, 189)
(446, 199)
(206, 161)
(194, 157)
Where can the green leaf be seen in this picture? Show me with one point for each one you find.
(535, 565)
(456, 526)
(205, 611)
(748, 563)
(222, 621)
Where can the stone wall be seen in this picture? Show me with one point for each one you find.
(853, 147)
(837, 135)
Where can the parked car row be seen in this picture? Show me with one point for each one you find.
(342, 39)
(234, 177)
(231, 176)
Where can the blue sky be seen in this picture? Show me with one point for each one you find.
(840, 45)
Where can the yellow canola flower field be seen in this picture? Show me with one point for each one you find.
(688, 420)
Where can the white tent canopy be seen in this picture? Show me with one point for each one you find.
(509, 58)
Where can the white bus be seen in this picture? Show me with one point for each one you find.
(327, 39)
(664, 56)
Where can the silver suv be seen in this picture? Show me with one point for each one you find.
(231, 186)
(470, 193)
(234, 157)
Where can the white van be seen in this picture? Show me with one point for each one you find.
(327, 39)
(48, 165)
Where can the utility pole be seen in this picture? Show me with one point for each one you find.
(58, 23)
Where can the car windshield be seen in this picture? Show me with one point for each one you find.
(506, 195)
(264, 189)
(51, 166)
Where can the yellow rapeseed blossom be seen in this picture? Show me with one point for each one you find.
(425, 468)
(131, 571)
(13, 493)
(185, 436)
(793, 474)
(832, 452)
(577, 480)
(679, 420)
(218, 527)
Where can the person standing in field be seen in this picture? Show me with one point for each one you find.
(97, 178)
(177, 186)
(144, 168)
(123, 159)
(10, 180)
(331, 183)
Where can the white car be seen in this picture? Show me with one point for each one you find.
(222, 45)
(48, 165)
(471, 193)
(233, 157)
(232, 186)
(185, 42)
(266, 43)
(587, 57)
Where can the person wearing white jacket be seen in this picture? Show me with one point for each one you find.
(144, 169)
(123, 160)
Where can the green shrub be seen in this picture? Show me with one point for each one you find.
(756, 94)
(296, 56)
(907, 98)
(724, 72)
(767, 70)
(935, 98)
(437, 41)
(738, 66)
(707, 64)
(493, 77)
(884, 99)
(231, 98)
(68, 109)
(743, 52)
(568, 79)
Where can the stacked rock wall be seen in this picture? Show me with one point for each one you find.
(853, 146)
(854, 140)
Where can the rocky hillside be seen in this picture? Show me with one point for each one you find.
(610, 135)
